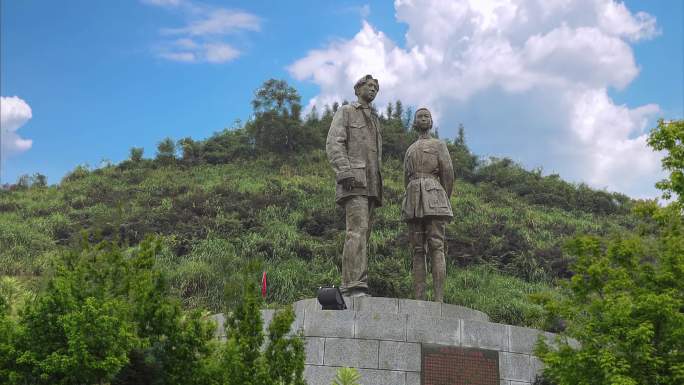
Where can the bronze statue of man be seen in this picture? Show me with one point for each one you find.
(429, 180)
(354, 148)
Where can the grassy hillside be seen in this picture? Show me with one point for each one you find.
(280, 211)
(263, 194)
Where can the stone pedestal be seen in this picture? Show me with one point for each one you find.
(383, 338)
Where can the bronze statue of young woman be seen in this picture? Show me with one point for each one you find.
(429, 180)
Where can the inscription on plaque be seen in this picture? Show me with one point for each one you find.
(447, 365)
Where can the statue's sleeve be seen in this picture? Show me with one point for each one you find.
(336, 146)
(446, 169)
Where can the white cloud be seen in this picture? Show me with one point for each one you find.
(163, 3)
(189, 51)
(14, 113)
(528, 78)
(220, 53)
(611, 141)
(219, 22)
(186, 57)
(203, 37)
(616, 19)
(186, 44)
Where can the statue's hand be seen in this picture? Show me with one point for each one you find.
(348, 183)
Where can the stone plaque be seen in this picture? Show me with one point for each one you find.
(448, 365)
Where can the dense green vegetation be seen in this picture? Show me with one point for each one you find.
(624, 304)
(106, 316)
(263, 191)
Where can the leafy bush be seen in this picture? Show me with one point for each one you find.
(624, 308)
(243, 361)
(100, 308)
(624, 303)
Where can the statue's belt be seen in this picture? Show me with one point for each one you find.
(418, 175)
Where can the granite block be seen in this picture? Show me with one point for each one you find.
(314, 349)
(351, 352)
(420, 308)
(514, 366)
(380, 326)
(484, 335)
(382, 377)
(399, 356)
(413, 378)
(523, 340)
(309, 304)
(376, 305)
(329, 323)
(324, 375)
(460, 312)
(319, 375)
(433, 330)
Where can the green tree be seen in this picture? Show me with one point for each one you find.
(277, 125)
(23, 182)
(625, 300)
(226, 146)
(312, 116)
(136, 154)
(463, 159)
(388, 111)
(8, 352)
(398, 111)
(191, 151)
(174, 342)
(285, 355)
(166, 151)
(395, 139)
(242, 358)
(38, 180)
(101, 310)
(72, 335)
(624, 308)
(278, 97)
(669, 136)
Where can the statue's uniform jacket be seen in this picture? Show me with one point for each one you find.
(429, 179)
(354, 149)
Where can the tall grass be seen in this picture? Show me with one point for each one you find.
(504, 298)
(214, 219)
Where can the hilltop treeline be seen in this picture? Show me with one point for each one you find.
(278, 129)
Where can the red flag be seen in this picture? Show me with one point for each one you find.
(263, 285)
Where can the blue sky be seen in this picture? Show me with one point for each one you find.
(571, 89)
